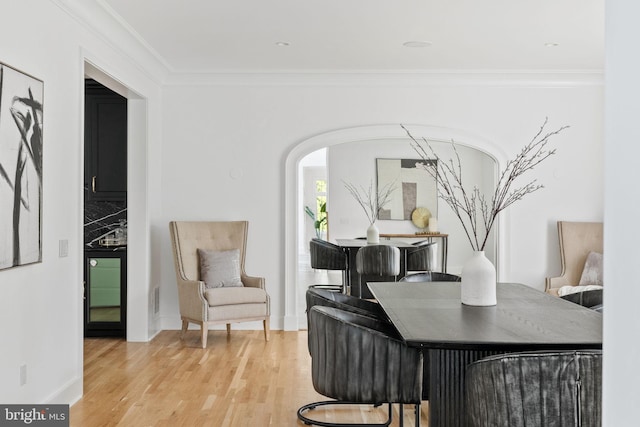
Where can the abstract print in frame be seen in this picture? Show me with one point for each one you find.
(21, 98)
(416, 187)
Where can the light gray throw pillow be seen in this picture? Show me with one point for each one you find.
(592, 271)
(220, 269)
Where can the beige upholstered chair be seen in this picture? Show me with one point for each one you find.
(577, 239)
(210, 306)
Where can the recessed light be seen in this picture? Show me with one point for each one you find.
(416, 43)
(551, 44)
(282, 44)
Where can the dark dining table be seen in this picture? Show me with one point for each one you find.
(357, 283)
(430, 316)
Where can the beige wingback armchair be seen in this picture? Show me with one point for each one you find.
(577, 239)
(210, 306)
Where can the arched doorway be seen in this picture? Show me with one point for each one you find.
(293, 311)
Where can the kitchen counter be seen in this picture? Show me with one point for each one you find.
(105, 248)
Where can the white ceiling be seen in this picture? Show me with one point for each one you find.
(366, 35)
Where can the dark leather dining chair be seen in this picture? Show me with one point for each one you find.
(431, 276)
(423, 257)
(557, 388)
(356, 359)
(327, 256)
(591, 299)
(325, 298)
(380, 263)
(322, 297)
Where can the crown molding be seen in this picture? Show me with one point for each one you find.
(99, 18)
(499, 78)
(96, 18)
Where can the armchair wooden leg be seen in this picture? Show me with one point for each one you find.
(185, 326)
(265, 322)
(204, 331)
(228, 329)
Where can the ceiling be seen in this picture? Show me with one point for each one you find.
(367, 35)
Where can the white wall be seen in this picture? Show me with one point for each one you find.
(226, 144)
(621, 235)
(355, 163)
(41, 304)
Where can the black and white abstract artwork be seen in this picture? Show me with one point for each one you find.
(415, 187)
(21, 99)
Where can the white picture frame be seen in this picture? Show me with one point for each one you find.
(21, 142)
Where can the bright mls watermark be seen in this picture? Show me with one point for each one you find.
(34, 415)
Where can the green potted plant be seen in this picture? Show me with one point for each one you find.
(320, 223)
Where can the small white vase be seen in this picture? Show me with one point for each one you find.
(478, 281)
(373, 234)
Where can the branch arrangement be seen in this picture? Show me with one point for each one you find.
(476, 212)
(371, 202)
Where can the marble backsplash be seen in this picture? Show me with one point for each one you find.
(102, 218)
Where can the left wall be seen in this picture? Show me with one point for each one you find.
(41, 304)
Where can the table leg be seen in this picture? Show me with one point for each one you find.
(354, 277)
(446, 385)
(445, 252)
(403, 263)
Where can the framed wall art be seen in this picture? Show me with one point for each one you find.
(21, 101)
(415, 187)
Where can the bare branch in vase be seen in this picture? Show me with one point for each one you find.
(476, 213)
(371, 202)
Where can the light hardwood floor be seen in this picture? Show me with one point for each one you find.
(239, 380)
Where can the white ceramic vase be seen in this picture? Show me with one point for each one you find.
(373, 234)
(478, 281)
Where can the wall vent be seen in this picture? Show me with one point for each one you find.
(156, 300)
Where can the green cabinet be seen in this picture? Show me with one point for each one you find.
(104, 276)
(105, 293)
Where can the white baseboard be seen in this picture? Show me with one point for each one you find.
(291, 323)
(68, 394)
(172, 323)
